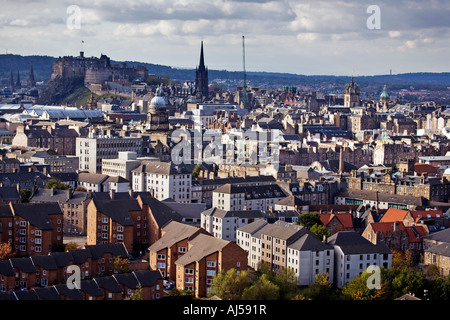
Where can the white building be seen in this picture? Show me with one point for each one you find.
(353, 254)
(308, 257)
(95, 148)
(247, 238)
(164, 180)
(234, 198)
(122, 166)
(224, 224)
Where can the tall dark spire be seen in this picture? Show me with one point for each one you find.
(31, 81)
(18, 82)
(201, 77)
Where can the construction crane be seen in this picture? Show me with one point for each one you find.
(244, 89)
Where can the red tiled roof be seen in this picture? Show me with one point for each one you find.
(384, 227)
(419, 214)
(346, 219)
(424, 168)
(393, 215)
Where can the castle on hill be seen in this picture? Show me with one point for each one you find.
(97, 71)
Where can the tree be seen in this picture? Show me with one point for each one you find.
(71, 246)
(286, 280)
(308, 220)
(137, 294)
(196, 171)
(320, 231)
(25, 195)
(262, 289)
(121, 265)
(321, 289)
(55, 183)
(6, 251)
(229, 285)
(358, 289)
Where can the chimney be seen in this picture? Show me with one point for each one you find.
(52, 192)
(69, 193)
(131, 193)
(111, 194)
(324, 239)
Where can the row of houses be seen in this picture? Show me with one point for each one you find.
(96, 265)
(115, 287)
(342, 256)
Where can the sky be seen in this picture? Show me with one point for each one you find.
(311, 37)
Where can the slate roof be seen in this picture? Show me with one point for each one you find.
(74, 294)
(441, 236)
(253, 192)
(161, 212)
(352, 243)
(173, 233)
(108, 283)
(47, 293)
(202, 246)
(98, 250)
(91, 287)
(6, 268)
(23, 264)
(37, 214)
(309, 242)
(118, 210)
(441, 249)
(128, 280)
(45, 262)
(27, 295)
(62, 259)
(253, 227)
(148, 278)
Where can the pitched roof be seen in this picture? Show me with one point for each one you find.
(116, 249)
(202, 246)
(91, 287)
(253, 227)
(74, 294)
(148, 278)
(441, 236)
(161, 212)
(309, 242)
(37, 214)
(346, 219)
(47, 293)
(129, 280)
(422, 214)
(6, 268)
(23, 264)
(253, 192)
(441, 249)
(393, 214)
(45, 262)
(353, 243)
(118, 210)
(109, 283)
(173, 232)
(94, 178)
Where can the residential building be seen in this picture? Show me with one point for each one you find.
(233, 198)
(122, 166)
(353, 254)
(164, 180)
(206, 256)
(94, 149)
(172, 245)
(308, 257)
(248, 239)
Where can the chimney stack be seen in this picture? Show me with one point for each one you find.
(111, 194)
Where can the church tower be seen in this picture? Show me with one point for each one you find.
(352, 95)
(201, 78)
(31, 82)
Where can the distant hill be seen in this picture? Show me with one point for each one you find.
(43, 68)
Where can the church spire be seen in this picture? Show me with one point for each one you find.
(201, 77)
(31, 80)
(202, 58)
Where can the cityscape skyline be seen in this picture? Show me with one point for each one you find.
(311, 38)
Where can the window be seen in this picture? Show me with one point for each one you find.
(211, 264)
(182, 249)
(189, 271)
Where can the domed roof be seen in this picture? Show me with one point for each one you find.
(384, 94)
(158, 101)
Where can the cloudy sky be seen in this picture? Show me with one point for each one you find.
(317, 37)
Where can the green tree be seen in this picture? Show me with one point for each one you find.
(321, 289)
(286, 280)
(121, 265)
(358, 289)
(262, 289)
(308, 220)
(55, 183)
(405, 281)
(229, 285)
(25, 195)
(320, 231)
(196, 171)
(137, 294)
